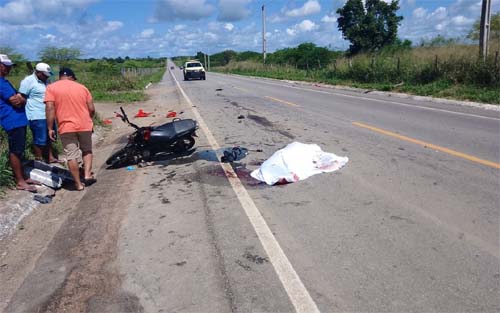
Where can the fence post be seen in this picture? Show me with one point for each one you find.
(335, 65)
(436, 63)
(350, 63)
(399, 61)
(319, 64)
(496, 59)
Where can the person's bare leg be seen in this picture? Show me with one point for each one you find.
(87, 165)
(50, 154)
(15, 164)
(38, 152)
(73, 168)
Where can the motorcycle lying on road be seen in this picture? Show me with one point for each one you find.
(145, 143)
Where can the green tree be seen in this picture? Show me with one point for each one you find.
(60, 55)
(249, 55)
(369, 27)
(13, 54)
(494, 28)
(306, 56)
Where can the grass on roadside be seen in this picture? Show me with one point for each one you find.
(450, 72)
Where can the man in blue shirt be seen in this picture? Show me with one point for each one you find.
(33, 89)
(13, 120)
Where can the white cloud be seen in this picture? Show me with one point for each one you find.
(439, 14)
(329, 19)
(49, 37)
(310, 7)
(179, 27)
(25, 12)
(170, 10)
(419, 13)
(147, 33)
(307, 26)
(304, 26)
(461, 20)
(111, 26)
(229, 26)
(233, 10)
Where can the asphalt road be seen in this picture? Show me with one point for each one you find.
(410, 224)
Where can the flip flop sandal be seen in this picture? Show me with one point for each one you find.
(89, 181)
(56, 161)
(29, 188)
(30, 181)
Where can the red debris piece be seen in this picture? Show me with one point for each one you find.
(141, 113)
(171, 114)
(107, 121)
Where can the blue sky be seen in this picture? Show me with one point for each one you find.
(157, 28)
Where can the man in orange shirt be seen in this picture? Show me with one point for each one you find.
(70, 103)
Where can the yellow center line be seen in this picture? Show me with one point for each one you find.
(430, 145)
(241, 89)
(282, 101)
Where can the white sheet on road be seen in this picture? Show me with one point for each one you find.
(297, 161)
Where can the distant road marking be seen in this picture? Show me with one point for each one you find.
(430, 145)
(241, 89)
(297, 292)
(282, 101)
(414, 106)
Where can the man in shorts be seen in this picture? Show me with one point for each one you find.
(13, 120)
(33, 88)
(71, 104)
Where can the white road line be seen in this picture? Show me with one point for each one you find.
(297, 292)
(414, 106)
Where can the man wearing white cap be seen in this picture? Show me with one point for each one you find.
(13, 120)
(33, 89)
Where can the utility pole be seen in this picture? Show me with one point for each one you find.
(205, 60)
(484, 29)
(264, 34)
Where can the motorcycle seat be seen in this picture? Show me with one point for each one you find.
(175, 128)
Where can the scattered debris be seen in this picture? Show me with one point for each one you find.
(218, 89)
(130, 168)
(244, 266)
(43, 199)
(255, 258)
(181, 263)
(141, 113)
(297, 161)
(148, 85)
(107, 122)
(171, 114)
(234, 154)
(240, 117)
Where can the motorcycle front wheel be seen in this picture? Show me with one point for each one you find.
(121, 158)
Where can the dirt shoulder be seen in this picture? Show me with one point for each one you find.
(67, 245)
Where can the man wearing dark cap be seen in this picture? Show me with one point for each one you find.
(13, 120)
(70, 103)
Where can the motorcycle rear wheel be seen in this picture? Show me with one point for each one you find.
(184, 144)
